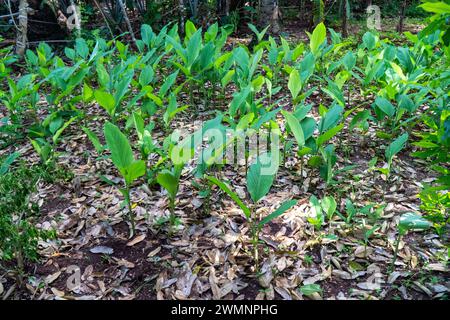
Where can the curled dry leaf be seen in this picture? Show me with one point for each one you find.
(136, 240)
(102, 250)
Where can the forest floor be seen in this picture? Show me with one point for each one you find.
(208, 256)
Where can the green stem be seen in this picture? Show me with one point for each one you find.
(130, 209)
(397, 244)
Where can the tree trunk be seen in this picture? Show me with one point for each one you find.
(22, 28)
(345, 17)
(270, 14)
(127, 21)
(182, 11)
(402, 16)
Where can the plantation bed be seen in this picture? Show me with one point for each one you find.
(208, 253)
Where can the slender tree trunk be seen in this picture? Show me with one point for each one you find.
(270, 14)
(22, 28)
(345, 17)
(127, 21)
(181, 8)
(402, 16)
(369, 3)
(104, 18)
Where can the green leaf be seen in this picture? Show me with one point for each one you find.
(412, 221)
(169, 182)
(193, 47)
(396, 146)
(282, 209)
(232, 195)
(259, 35)
(121, 153)
(60, 130)
(94, 140)
(385, 106)
(168, 83)
(331, 118)
(8, 161)
(436, 7)
(329, 205)
(106, 100)
(310, 289)
(369, 40)
(146, 75)
(318, 37)
(328, 135)
(295, 83)
(134, 171)
(295, 127)
(260, 178)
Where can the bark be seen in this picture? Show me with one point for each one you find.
(270, 14)
(127, 21)
(104, 18)
(345, 18)
(402, 16)
(181, 8)
(22, 28)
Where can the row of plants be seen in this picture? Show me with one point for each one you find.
(144, 91)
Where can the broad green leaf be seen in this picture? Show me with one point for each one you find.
(294, 84)
(260, 177)
(359, 118)
(436, 7)
(8, 162)
(134, 171)
(369, 40)
(239, 98)
(193, 47)
(121, 153)
(329, 205)
(106, 100)
(168, 83)
(310, 289)
(88, 93)
(295, 127)
(259, 35)
(412, 221)
(318, 37)
(282, 209)
(146, 75)
(331, 118)
(169, 182)
(385, 106)
(232, 195)
(396, 146)
(328, 135)
(60, 130)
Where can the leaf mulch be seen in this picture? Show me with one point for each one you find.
(208, 256)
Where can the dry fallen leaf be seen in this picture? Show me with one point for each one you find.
(102, 250)
(136, 240)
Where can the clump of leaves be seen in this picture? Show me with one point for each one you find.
(123, 158)
(259, 183)
(18, 235)
(408, 221)
(395, 147)
(327, 205)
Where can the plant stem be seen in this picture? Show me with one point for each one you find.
(172, 211)
(397, 244)
(130, 210)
